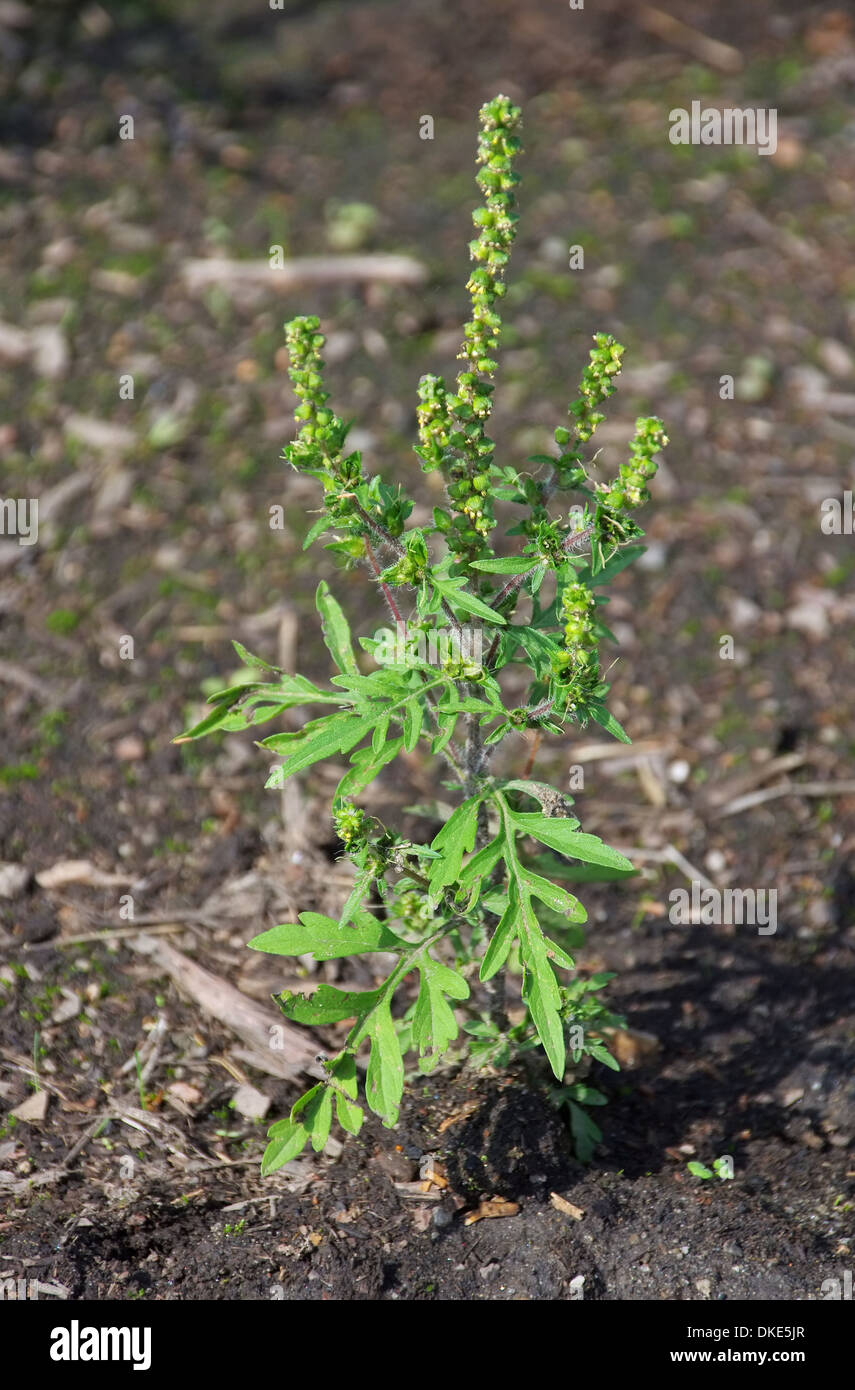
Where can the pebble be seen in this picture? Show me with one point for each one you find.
(69, 1007)
(14, 880)
(33, 1109)
(129, 749)
(250, 1103)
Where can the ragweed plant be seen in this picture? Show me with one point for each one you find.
(481, 897)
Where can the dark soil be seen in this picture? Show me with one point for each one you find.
(706, 262)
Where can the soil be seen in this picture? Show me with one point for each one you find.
(707, 262)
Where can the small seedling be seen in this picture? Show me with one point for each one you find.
(722, 1168)
(477, 910)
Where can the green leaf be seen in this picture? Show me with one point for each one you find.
(612, 567)
(554, 896)
(446, 729)
(349, 1115)
(586, 1133)
(482, 863)
(413, 720)
(557, 832)
(557, 954)
(540, 989)
(608, 721)
(366, 765)
(316, 529)
(579, 873)
(317, 1118)
(434, 1025)
(603, 1055)
(511, 564)
(384, 1080)
(539, 647)
(698, 1170)
(502, 940)
(456, 838)
(360, 890)
(336, 630)
(289, 1142)
(323, 938)
(339, 736)
(343, 1073)
(326, 1005)
(456, 596)
(249, 659)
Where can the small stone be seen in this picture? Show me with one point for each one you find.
(51, 355)
(190, 1095)
(14, 880)
(129, 749)
(69, 1007)
(704, 1287)
(835, 357)
(33, 1109)
(250, 1103)
(100, 434)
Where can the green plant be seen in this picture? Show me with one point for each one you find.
(477, 897)
(722, 1168)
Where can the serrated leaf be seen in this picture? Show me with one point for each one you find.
(540, 988)
(336, 630)
(339, 736)
(456, 838)
(433, 1023)
(378, 737)
(384, 1080)
(323, 938)
(361, 888)
(447, 725)
(579, 873)
(366, 766)
(557, 832)
(326, 1005)
(554, 896)
(483, 862)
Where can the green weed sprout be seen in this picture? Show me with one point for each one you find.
(481, 897)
